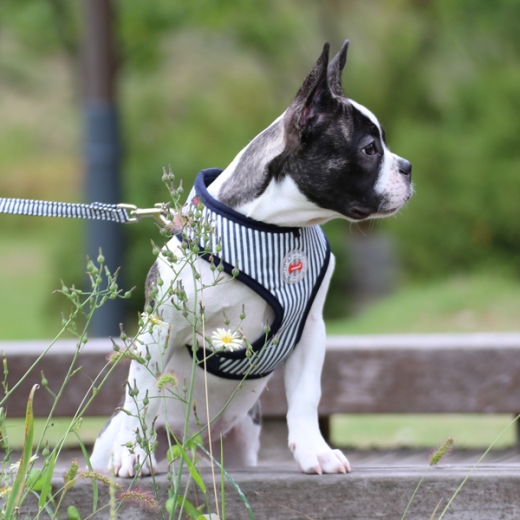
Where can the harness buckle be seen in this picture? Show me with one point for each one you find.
(161, 212)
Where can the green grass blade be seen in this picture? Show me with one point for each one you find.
(47, 482)
(15, 497)
(95, 491)
(191, 467)
(222, 480)
(233, 483)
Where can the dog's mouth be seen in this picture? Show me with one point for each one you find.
(358, 213)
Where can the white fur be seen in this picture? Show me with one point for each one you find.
(283, 204)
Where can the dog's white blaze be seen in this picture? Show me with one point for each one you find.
(391, 184)
(367, 113)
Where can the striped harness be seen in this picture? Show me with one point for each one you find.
(283, 265)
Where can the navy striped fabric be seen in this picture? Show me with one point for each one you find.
(43, 208)
(285, 266)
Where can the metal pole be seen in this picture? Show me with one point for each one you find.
(102, 150)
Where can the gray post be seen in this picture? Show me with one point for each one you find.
(102, 150)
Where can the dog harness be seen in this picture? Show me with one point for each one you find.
(283, 265)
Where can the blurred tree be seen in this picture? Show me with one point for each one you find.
(201, 78)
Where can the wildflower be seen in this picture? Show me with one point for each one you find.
(441, 452)
(16, 465)
(93, 475)
(71, 474)
(143, 499)
(226, 339)
(165, 380)
(153, 319)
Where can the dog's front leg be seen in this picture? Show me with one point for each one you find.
(133, 445)
(303, 390)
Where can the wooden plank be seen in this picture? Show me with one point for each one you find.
(429, 373)
(21, 355)
(282, 493)
(463, 373)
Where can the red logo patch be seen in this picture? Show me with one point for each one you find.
(295, 267)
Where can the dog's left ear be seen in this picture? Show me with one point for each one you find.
(309, 107)
(336, 67)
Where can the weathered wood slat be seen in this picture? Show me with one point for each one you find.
(276, 493)
(21, 355)
(441, 373)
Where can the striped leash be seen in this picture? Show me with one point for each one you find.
(123, 213)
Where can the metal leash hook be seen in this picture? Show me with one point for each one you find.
(161, 212)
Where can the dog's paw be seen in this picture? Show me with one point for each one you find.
(127, 463)
(323, 460)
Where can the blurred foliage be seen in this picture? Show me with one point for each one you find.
(199, 79)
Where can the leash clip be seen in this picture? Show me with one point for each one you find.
(161, 212)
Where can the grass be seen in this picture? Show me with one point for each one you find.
(362, 431)
(89, 430)
(367, 431)
(478, 302)
(26, 279)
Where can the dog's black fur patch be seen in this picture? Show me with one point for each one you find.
(256, 413)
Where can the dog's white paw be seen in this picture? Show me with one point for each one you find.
(322, 460)
(127, 463)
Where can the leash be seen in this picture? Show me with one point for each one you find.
(122, 213)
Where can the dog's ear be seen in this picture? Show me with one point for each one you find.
(336, 68)
(309, 106)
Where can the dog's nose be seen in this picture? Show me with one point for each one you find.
(405, 167)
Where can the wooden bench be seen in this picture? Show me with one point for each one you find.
(467, 373)
(423, 373)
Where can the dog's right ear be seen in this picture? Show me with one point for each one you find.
(309, 106)
(336, 67)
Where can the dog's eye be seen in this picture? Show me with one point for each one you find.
(370, 149)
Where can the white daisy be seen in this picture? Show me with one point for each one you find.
(226, 339)
(16, 465)
(153, 319)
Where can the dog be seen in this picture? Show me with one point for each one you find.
(325, 157)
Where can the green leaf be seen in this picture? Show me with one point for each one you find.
(16, 495)
(73, 513)
(35, 480)
(174, 453)
(193, 471)
(188, 508)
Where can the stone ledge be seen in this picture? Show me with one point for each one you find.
(279, 492)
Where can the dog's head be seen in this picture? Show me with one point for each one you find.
(335, 149)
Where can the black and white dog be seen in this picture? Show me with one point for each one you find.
(326, 157)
